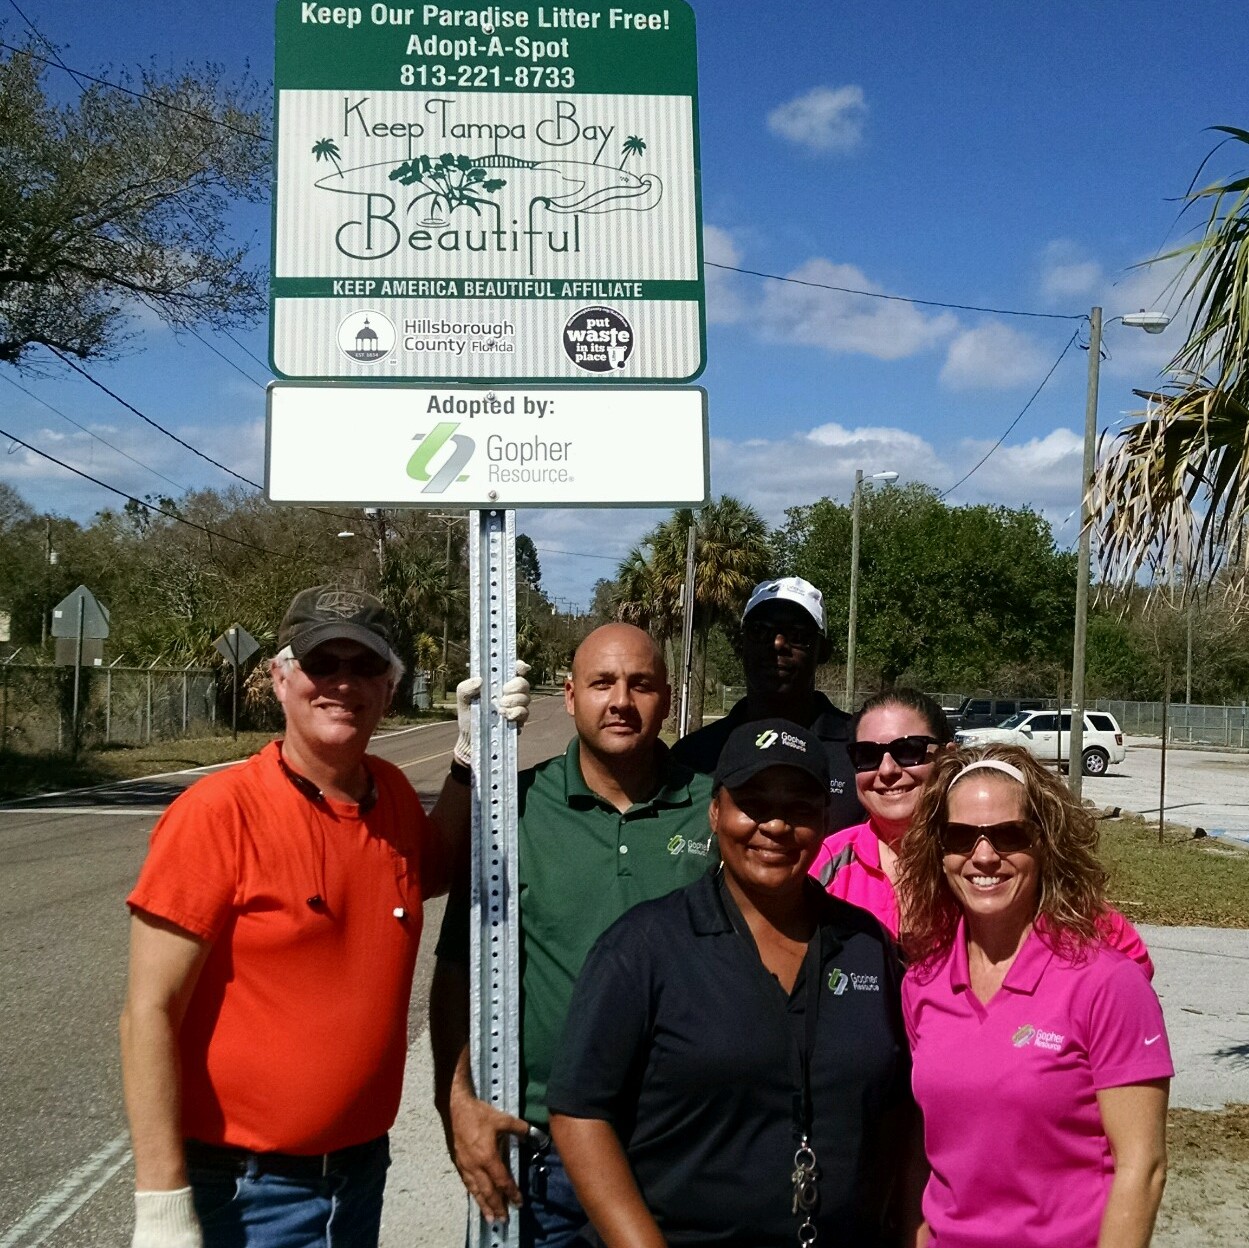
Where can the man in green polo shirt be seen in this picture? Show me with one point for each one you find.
(609, 823)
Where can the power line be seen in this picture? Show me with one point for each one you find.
(82, 372)
(876, 294)
(160, 511)
(148, 467)
(1013, 423)
(138, 95)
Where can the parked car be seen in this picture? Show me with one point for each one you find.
(978, 712)
(1047, 736)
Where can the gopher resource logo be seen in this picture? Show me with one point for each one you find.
(599, 340)
(366, 336)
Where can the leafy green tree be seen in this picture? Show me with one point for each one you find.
(528, 569)
(947, 595)
(1171, 495)
(730, 555)
(120, 202)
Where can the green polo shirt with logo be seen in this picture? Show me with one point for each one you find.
(582, 864)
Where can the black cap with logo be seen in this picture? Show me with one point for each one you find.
(765, 743)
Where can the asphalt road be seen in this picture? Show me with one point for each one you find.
(66, 865)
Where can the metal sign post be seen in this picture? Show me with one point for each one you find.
(236, 645)
(495, 927)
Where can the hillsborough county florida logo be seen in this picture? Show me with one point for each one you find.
(366, 336)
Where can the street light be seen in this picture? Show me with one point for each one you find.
(887, 477)
(1151, 323)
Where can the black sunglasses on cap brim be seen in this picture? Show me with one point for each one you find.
(905, 751)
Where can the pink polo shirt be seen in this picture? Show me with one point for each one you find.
(848, 866)
(1009, 1091)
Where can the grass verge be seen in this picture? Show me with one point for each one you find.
(1182, 882)
(24, 775)
(1204, 1137)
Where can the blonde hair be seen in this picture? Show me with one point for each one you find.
(1072, 891)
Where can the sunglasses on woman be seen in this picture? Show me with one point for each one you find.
(1005, 838)
(322, 663)
(905, 751)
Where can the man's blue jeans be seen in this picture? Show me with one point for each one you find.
(249, 1204)
(552, 1216)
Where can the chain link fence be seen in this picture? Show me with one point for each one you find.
(116, 705)
(1226, 726)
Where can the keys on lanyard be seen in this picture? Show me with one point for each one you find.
(806, 1191)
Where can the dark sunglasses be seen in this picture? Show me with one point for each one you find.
(906, 752)
(804, 636)
(321, 663)
(1006, 838)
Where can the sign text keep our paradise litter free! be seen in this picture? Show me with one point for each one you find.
(472, 191)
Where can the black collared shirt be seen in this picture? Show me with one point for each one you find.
(680, 1038)
(701, 751)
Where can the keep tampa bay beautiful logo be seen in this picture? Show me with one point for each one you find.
(443, 455)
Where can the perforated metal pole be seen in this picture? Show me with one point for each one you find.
(494, 1034)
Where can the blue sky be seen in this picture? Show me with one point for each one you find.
(1008, 155)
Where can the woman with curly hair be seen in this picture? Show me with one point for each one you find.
(1040, 1055)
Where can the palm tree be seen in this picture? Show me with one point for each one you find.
(327, 149)
(730, 555)
(1171, 495)
(633, 146)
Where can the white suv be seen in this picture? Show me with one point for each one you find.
(1044, 736)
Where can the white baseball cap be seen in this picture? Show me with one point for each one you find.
(789, 589)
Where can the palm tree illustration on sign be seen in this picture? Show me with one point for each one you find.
(633, 146)
(327, 149)
(450, 182)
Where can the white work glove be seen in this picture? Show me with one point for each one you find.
(166, 1220)
(512, 704)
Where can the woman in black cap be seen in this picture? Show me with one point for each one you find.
(733, 1070)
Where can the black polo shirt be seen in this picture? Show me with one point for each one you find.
(701, 751)
(680, 1038)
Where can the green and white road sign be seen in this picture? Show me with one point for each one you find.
(470, 446)
(487, 191)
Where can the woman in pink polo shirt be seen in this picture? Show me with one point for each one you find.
(1040, 1055)
(894, 739)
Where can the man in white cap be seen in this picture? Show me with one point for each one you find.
(783, 642)
(273, 939)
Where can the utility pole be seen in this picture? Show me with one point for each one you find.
(1075, 769)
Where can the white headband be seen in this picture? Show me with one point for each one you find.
(995, 764)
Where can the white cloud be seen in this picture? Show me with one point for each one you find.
(725, 303)
(835, 321)
(825, 119)
(1067, 273)
(993, 356)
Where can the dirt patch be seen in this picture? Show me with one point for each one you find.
(1207, 1199)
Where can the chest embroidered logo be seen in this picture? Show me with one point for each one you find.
(839, 981)
(1023, 1036)
(679, 845)
(1153, 1038)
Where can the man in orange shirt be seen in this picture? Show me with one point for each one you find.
(273, 938)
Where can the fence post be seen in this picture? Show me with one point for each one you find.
(108, 704)
(147, 736)
(185, 679)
